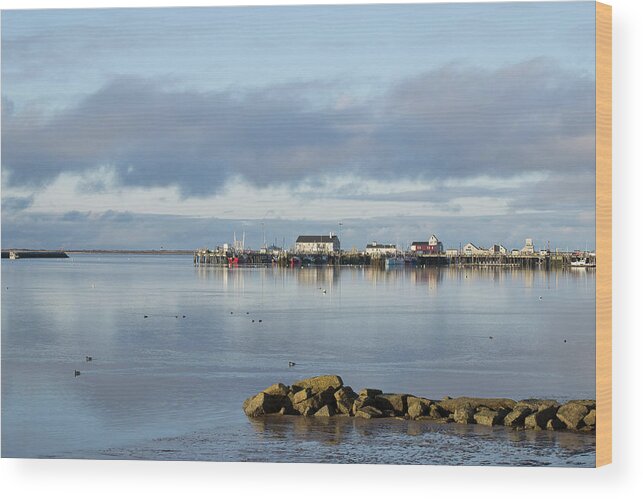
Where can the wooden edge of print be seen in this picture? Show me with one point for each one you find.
(603, 234)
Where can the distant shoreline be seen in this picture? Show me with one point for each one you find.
(106, 251)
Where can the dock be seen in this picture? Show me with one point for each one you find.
(20, 254)
(250, 258)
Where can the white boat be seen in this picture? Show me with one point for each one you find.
(582, 263)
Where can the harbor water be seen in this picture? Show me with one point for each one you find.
(176, 349)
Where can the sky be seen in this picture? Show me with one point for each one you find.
(179, 127)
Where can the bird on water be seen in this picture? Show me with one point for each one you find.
(291, 364)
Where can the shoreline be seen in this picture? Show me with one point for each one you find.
(326, 396)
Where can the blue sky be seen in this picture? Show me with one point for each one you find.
(176, 126)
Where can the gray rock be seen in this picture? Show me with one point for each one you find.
(319, 384)
(487, 417)
(391, 402)
(555, 424)
(590, 419)
(326, 411)
(538, 420)
(301, 395)
(363, 402)
(368, 412)
(310, 405)
(417, 408)
(369, 392)
(344, 399)
(517, 416)
(451, 405)
(572, 414)
(263, 403)
(464, 414)
(590, 404)
(536, 404)
(436, 412)
(277, 389)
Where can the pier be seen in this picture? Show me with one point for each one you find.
(250, 258)
(19, 254)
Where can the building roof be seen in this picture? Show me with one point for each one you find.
(418, 243)
(379, 245)
(317, 239)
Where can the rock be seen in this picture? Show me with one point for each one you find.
(436, 412)
(417, 408)
(450, 405)
(363, 402)
(311, 405)
(301, 395)
(326, 411)
(555, 424)
(590, 404)
(464, 414)
(277, 389)
(487, 417)
(368, 412)
(538, 420)
(369, 392)
(517, 416)
(319, 384)
(344, 399)
(590, 419)
(536, 404)
(263, 403)
(572, 414)
(391, 402)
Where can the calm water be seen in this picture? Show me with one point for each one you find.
(168, 387)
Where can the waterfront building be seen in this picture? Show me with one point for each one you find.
(498, 249)
(528, 248)
(376, 249)
(431, 247)
(311, 245)
(471, 249)
(452, 252)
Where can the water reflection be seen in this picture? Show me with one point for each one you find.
(452, 443)
(431, 277)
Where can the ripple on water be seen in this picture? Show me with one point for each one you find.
(348, 440)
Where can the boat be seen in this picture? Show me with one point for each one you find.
(394, 262)
(582, 263)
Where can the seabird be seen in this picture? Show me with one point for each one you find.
(76, 373)
(291, 364)
(88, 358)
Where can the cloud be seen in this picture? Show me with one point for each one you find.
(451, 122)
(126, 230)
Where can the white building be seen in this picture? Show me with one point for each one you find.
(498, 249)
(471, 249)
(376, 249)
(528, 248)
(452, 252)
(309, 245)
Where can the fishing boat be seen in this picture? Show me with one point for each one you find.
(394, 262)
(582, 263)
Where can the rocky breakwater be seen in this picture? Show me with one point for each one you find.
(327, 396)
